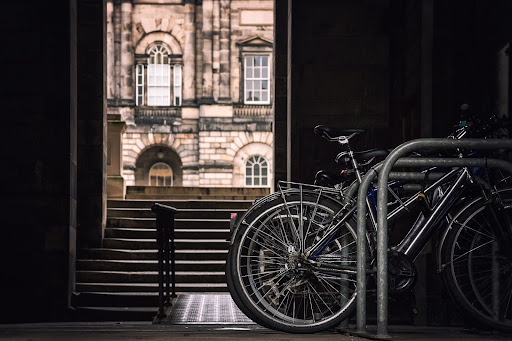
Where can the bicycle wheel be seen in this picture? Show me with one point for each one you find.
(478, 266)
(282, 287)
(234, 293)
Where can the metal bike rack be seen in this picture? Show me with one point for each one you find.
(383, 171)
(166, 252)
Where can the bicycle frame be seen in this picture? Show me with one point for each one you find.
(424, 228)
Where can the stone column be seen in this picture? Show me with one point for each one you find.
(115, 181)
(116, 18)
(225, 86)
(189, 63)
(127, 63)
(207, 95)
(198, 49)
(216, 49)
(110, 52)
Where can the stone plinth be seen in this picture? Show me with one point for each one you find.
(115, 180)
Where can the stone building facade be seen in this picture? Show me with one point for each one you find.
(192, 80)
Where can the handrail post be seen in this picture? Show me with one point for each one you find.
(173, 263)
(165, 243)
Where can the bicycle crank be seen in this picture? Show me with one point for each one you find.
(402, 273)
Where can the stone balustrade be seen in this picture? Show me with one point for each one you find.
(252, 110)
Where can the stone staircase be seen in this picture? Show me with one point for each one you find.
(120, 280)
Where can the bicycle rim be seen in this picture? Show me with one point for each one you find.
(480, 268)
(276, 280)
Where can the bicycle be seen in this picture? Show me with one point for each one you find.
(292, 262)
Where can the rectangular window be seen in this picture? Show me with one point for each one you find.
(159, 84)
(177, 85)
(257, 80)
(139, 98)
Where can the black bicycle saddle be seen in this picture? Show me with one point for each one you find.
(333, 132)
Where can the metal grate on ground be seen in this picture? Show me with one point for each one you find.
(206, 309)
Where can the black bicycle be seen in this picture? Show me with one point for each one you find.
(292, 260)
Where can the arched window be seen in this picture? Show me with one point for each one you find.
(159, 76)
(158, 81)
(256, 172)
(160, 174)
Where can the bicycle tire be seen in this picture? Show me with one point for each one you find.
(235, 295)
(263, 245)
(477, 274)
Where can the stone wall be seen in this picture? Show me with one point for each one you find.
(206, 132)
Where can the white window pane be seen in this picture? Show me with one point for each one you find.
(257, 73)
(249, 61)
(264, 72)
(248, 96)
(264, 85)
(257, 96)
(256, 171)
(139, 99)
(257, 61)
(264, 61)
(177, 85)
(257, 85)
(248, 73)
(264, 96)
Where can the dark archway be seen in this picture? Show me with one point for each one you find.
(153, 155)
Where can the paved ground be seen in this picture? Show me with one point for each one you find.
(125, 331)
(210, 317)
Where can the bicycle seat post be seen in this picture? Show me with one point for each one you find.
(344, 140)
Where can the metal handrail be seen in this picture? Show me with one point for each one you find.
(383, 171)
(166, 252)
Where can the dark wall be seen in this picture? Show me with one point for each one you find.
(467, 38)
(398, 68)
(92, 122)
(40, 116)
(340, 76)
(47, 130)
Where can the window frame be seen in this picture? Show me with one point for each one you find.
(245, 69)
(168, 167)
(159, 76)
(261, 176)
(177, 93)
(141, 90)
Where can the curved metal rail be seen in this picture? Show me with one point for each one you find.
(395, 158)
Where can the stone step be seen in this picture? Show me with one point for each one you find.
(88, 313)
(123, 299)
(147, 265)
(150, 223)
(231, 193)
(158, 198)
(132, 233)
(86, 276)
(144, 244)
(182, 204)
(149, 287)
(183, 213)
(127, 254)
